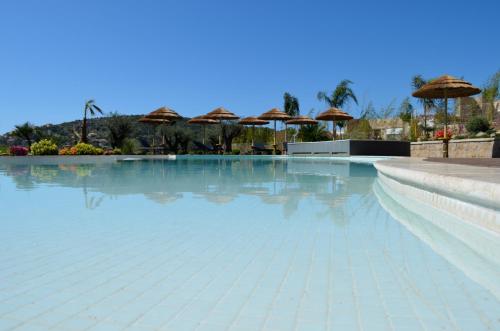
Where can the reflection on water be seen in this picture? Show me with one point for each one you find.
(230, 244)
(219, 181)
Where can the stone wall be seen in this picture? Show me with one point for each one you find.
(427, 149)
(477, 148)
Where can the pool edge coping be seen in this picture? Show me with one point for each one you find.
(478, 191)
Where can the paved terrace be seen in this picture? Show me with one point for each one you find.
(478, 162)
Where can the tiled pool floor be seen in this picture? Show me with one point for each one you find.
(233, 245)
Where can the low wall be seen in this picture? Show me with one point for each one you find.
(351, 147)
(464, 148)
(338, 147)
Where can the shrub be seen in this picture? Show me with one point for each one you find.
(477, 124)
(18, 150)
(4, 150)
(44, 147)
(86, 149)
(129, 147)
(66, 151)
(235, 152)
(117, 151)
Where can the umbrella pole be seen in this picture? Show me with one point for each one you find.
(274, 137)
(154, 134)
(445, 133)
(220, 137)
(203, 138)
(253, 134)
(286, 139)
(333, 130)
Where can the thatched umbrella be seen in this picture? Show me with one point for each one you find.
(275, 115)
(164, 113)
(154, 122)
(221, 114)
(334, 114)
(253, 121)
(446, 87)
(203, 121)
(302, 120)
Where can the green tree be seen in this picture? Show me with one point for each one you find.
(291, 105)
(491, 92)
(406, 111)
(24, 131)
(176, 140)
(417, 82)
(360, 129)
(120, 128)
(229, 133)
(340, 97)
(310, 132)
(313, 132)
(90, 108)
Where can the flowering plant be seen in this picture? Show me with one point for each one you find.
(67, 151)
(44, 147)
(440, 134)
(81, 149)
(18, 150)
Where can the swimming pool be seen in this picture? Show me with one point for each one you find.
(230, 244)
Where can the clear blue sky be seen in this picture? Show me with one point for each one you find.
(192, 56)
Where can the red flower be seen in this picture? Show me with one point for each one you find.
(18, 150)
(440, 134)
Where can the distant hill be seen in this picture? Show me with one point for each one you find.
(66, 133)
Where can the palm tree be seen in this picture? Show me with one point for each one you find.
(340, 97)
(24, 131)
(91, 108)
(291, 105)
(417, 82)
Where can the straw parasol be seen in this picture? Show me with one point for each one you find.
(203, 121)
(221, 114)
(275, 115)
(446, 87)
(164, 113)
(253, 121)
(334, 114)
(302, 120)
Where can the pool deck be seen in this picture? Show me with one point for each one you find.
(478, 162)
(468, 191)
(479, 170)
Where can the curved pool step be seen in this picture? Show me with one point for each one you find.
(469, 193)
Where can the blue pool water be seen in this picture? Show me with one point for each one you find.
(229, 244)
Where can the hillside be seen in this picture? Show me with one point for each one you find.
(180, 134)
(67, 133)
